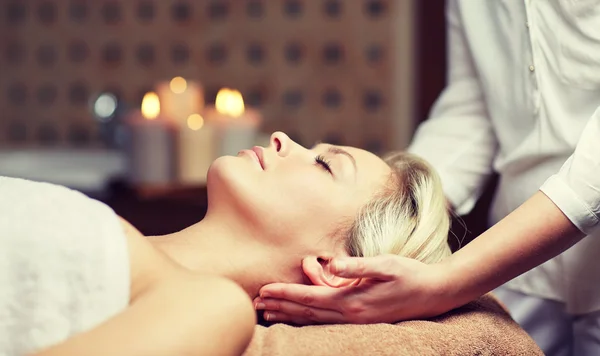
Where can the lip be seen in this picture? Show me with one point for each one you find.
(258, 151)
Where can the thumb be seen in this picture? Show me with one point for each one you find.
(379, 267)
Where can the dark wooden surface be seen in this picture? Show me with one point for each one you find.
(157, 212)
(431, 54)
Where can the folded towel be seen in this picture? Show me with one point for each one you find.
(64, 265)
(479, 328)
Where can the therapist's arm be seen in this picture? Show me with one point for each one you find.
(534, 233)
(566, 208)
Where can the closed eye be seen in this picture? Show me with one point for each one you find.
(320, 160)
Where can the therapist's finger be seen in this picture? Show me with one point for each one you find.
(316, 317)
(383, 267)
(281, 310)
(321, 297)
(276, 317)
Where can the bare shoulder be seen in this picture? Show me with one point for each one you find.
(211, 315)
(174, 312)
(206, 308)
(181, 315)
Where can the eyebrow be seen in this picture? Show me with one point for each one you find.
(339, 151)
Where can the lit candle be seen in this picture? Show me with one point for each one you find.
(196, 150)
(237, 126)
(180, 98)
(151, 144)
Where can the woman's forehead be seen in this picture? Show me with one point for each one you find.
(372, 171)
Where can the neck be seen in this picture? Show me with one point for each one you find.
(228, 249)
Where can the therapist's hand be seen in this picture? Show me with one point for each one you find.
(389, 289)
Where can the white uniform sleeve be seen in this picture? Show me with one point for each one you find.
(458, 138)
(575, 189)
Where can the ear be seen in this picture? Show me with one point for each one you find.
(317, 269)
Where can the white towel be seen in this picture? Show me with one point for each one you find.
(64, 265)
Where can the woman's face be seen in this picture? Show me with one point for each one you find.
(296, 197)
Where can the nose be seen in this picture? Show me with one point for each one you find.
(281, 142)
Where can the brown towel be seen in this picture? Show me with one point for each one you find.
(482, 327)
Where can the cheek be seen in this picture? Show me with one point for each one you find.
(289, 197)
(304, 202)
(295, 205)
(304, 190)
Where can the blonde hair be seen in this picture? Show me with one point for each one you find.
(408, 218)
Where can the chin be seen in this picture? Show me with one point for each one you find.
(220, 176)
(216, 170)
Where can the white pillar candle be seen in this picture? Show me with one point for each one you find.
(151, 144)
(196, 150)
(237, 127)
(180, 98)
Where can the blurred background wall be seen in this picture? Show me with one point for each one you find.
(363, 73)
(322, 70)
(332, 70)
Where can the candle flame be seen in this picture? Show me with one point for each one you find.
(229, 102)
(195, 122)
(178, 85)
(150, 106)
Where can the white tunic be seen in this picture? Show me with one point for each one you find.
(524, 81)
(64, 265)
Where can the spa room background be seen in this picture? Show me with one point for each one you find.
(361, 73)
